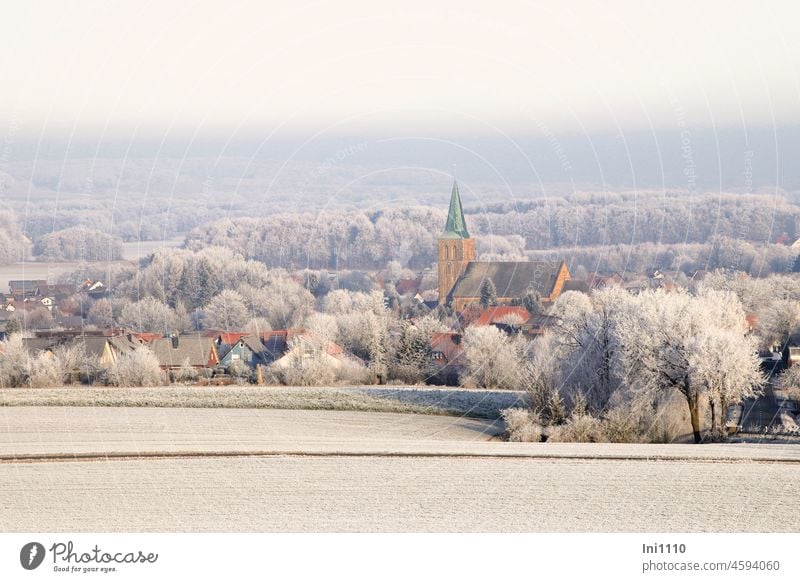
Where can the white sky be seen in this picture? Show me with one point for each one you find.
(224, 65)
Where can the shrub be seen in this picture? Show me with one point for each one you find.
(522, 426)
(186, 373)
(46, 371)
(668, 422)
(15, 363)
(136, 368)
(579, 428)
(621, 425)
(353, 373)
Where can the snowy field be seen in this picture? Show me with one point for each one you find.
(419, 399)
(152, 469)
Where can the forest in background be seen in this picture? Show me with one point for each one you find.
(340, 213)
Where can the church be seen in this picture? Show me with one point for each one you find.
(461, 275)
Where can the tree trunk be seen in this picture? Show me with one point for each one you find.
(694, 413)
(712, 403)
(723, 415)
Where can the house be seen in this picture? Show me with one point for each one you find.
(447, 358)
(146, 337)
(94, 289)
(407, 286)
(597, 281)
(538, 324)
(578, 286)
(247, 350)
(56, 292)
(71, 322)
(97, 347)
(502, 314)
(461, 276)
(21, 289)
(191, 350)
(281, 347)
(791, 351)
(225, 338)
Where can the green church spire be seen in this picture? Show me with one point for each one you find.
(456, 227)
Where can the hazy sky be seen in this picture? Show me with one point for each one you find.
(236, 67)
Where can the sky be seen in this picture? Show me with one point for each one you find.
(554, 71)
(220, 65)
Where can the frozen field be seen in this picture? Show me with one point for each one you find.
(420, 399)
(151, 469)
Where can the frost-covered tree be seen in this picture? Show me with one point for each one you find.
(15, 362)
(226, 311)
(494, 360)
(411, 359)
(363, 324)
(789, 381)
(39, 318)
(587, 330)
(148, 315)
(78, 244)
(726, 365)
(541, 378)
(12, 247)
(624, 355)
(135, 368)
(777, 321)
(308, 364)
(660, 341)
(488, 293)
(101, 313)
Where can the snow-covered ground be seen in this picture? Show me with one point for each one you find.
(298, 470)
(419, 399)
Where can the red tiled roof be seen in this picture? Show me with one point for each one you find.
(229, 337)
(147, 337)
(406, 286)
(497, 314)
(448, 344)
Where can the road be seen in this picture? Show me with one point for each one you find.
(763, 414)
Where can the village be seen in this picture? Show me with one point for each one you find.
(570, 344)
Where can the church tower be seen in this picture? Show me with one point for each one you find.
(456, 248)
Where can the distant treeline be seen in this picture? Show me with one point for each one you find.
(338, 239)
(12, 242)
(631, 218)
(605, 232)
(78, 244)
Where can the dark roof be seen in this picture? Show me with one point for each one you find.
(406, 286)
(275, 344)
(35, 345)
(56, 290)
(576, 285)
(29, 284)
(251, 341)
(456, 226)
(194, 348)
(511, 279)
